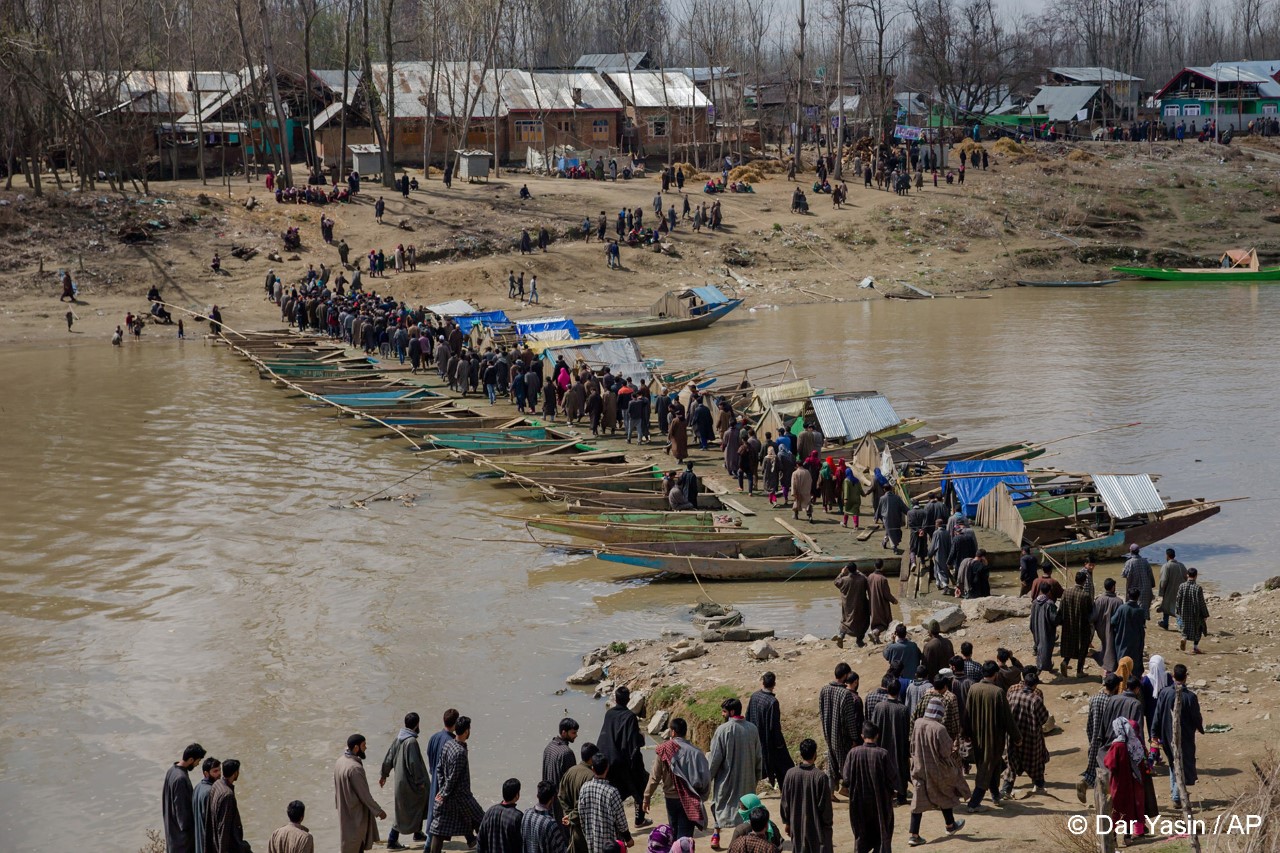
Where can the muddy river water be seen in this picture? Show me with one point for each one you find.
(173, 567)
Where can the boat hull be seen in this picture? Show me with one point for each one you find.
(1222, 275)
(647, 326)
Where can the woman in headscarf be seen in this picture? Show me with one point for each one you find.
(1156, 679)
(850, 497)
(786, 466)
(770, 473)
(827, 484)
(814, 466)
(1126, 759)
(1124, 668)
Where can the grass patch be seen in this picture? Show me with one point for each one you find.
(617, 648)
(668, 695)
(704, 706)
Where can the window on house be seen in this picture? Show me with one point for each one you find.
(564, 125)
(1191, 110)
(528, 131)
(1171, 111)
(1269, 109)
(600, 130)
(657, 127)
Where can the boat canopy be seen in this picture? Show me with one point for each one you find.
(972, 479)
(481, 318)
(1239, 259)
(548, 329)
(621, 355)
(849, 417)
(1126, 495)
(689, 302)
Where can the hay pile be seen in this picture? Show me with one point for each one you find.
(1079, 155)
(1014, 152)
(769, 167)
(689, 170)
(750, 173)
(968, 146)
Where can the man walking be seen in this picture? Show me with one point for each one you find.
(902, 651)
(177, 802)
(1192, 610)
(736, 765)
(293, 837)
(991, 724)
(1129, 627)
(540, 830)
(620, 741)
(1138, 576)
(604, 823)
(200, 803)
(500, 826)
(764, 712)
(1104, 607)
(1097, 733)
(1074, 614)
(456, 810)
(358, 812)
(1044, 630)
(434, 747)
(567, 797)
(806, 804)
(1191, 723)
(936, 773)
(840, 711)
(1172, 576)
(685, 776)
(557, 759)
(413, 783)
(855, 605)
(882, 600)
(892, 718)
(1028, 753)
(872, 781)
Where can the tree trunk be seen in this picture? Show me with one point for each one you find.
(800, 87)
(370, 93)
(286, 141)
(389, 150)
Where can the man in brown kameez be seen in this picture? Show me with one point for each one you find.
(991, 725)
(882, 600)
(1075, 610)
(855, 604)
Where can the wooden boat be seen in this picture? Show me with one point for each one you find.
(496, 469)
(776, 558)
(1102, 282)
(638, 327)
(393, 397)
(1235, 265)
(617, 501)
(667, 518)
(643, 483)
(446, 425)
(1178, 516)
(502, 444)
(608, 532)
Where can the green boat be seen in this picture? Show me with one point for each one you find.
(614, 533)
(1045, 507)
(1237, 265)
(504, 444)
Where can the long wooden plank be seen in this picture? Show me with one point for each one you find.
(803, 537)
(734, 505)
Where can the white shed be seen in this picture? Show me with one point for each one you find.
(366, 159)
(472, 163)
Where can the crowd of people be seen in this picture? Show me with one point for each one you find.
(935, 717)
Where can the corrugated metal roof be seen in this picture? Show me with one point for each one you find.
(798, 390)
(1264, 70)
(1061, 103)
(852, 416)
(710, 294)
(612, 61)
(455, 83)
(671, 89)
(621, 355)
(541, 91)
(1093, 74)
(326, 115)
(852, 103)
(333, 79)
(1128, 494)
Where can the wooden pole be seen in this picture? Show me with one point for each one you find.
(1178, 775)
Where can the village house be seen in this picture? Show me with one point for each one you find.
(1237, 94)
(430, 99)
(559, 109)
(345, 96)
(661, 108)
(1067, 106)
(1123, 90)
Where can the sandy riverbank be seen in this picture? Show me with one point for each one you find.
(1039, 214)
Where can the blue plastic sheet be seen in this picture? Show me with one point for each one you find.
(972, 479)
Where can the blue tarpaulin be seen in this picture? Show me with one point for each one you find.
(481, 318)
(548, 329)
(974, 478)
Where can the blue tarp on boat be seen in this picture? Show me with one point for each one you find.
(481, 318)
(548, 329)
(710, 294)
(974, 478)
